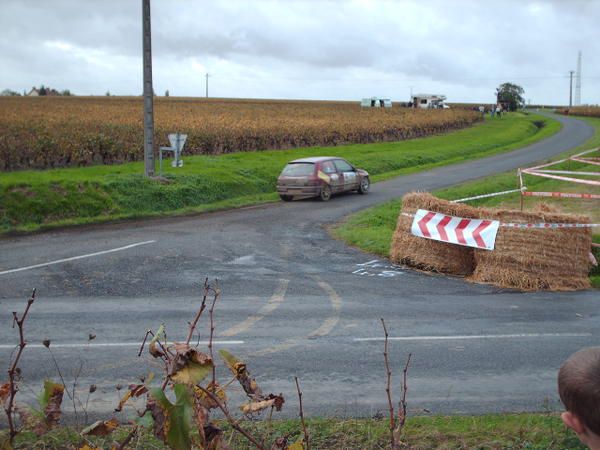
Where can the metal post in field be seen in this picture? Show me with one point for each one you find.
(207, 85)
(148, 92)
(571, 88)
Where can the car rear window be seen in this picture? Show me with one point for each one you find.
(298, 169)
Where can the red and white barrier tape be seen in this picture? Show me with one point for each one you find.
(558, 177)
(542, 171)
(562, 195)
(537, 225)
(460, 200)
(549, 225)
(569, 172)
(593, 161)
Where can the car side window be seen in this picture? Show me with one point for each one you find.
(343, 166)
(328, 167)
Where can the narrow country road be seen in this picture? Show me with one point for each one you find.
(295, 302)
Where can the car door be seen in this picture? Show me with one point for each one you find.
(332, 176)
(348, 173)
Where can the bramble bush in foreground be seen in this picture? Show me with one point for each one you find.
(178, 413)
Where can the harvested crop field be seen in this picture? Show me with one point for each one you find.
(586, 111)
(47, 132)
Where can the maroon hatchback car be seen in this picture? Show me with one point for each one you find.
(320, 177)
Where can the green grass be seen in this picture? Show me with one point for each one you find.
(506, 431)
(33, 200)
(372, 229)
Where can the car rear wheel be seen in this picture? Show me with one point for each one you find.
(325, 193)
(286, 198)
(365, 184)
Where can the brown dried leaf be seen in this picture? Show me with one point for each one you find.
(154, 346)
(280, 444)
(189, 366)
(278, 401)
(101, 427)
(205, 400)
(214, 437)
(161, 420)
(87, 447)
(135, 390)
(52, 399)
(122, 402)
(4, 392)
(239, 370)
(254, 407)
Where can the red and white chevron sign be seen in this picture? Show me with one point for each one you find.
(476, 233)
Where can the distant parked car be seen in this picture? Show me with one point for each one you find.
(320, 177)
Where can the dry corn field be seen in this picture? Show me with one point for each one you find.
(46, 132)
(589, 111)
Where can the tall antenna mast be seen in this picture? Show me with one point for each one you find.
(578, 81)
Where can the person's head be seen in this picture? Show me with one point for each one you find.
(579, 390)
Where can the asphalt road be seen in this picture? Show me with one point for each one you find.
(295, 303)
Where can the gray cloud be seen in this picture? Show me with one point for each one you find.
(338, 49)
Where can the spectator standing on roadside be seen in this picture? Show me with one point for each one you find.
(492, 111)
(482, 111)
(579, 390)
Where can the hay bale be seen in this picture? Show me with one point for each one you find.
(427, 254)
(536, 259)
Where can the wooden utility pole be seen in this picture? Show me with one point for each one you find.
(148, 92)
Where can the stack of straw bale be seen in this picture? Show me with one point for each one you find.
(526, 259)
(426, 254)
(535, 259)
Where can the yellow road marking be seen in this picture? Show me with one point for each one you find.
(275, 300)
(336, 303)
(323, 330)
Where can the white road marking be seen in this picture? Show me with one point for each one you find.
(474, 336)
(275, 300)
(73, 258)
(376, 268)
(109, 344)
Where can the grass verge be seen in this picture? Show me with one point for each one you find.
(372, 229)
(33, 200)
(531, 431)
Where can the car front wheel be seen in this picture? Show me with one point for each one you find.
(325, 193)
(365, 184)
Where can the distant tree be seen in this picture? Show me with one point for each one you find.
(9, 93)
(66, 93)
(167, 93)
(511, 95)
(43, 90)
(107, 93)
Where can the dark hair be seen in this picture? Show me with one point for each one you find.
(579, 386)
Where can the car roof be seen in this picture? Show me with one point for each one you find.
(314, 159)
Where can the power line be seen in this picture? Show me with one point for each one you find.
(396, 80)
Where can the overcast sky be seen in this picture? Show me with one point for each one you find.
(305, 49)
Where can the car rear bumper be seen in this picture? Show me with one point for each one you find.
(299, 190)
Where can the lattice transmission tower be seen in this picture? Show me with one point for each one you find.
(578, 81)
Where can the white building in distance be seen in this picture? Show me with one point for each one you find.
(428, 101)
